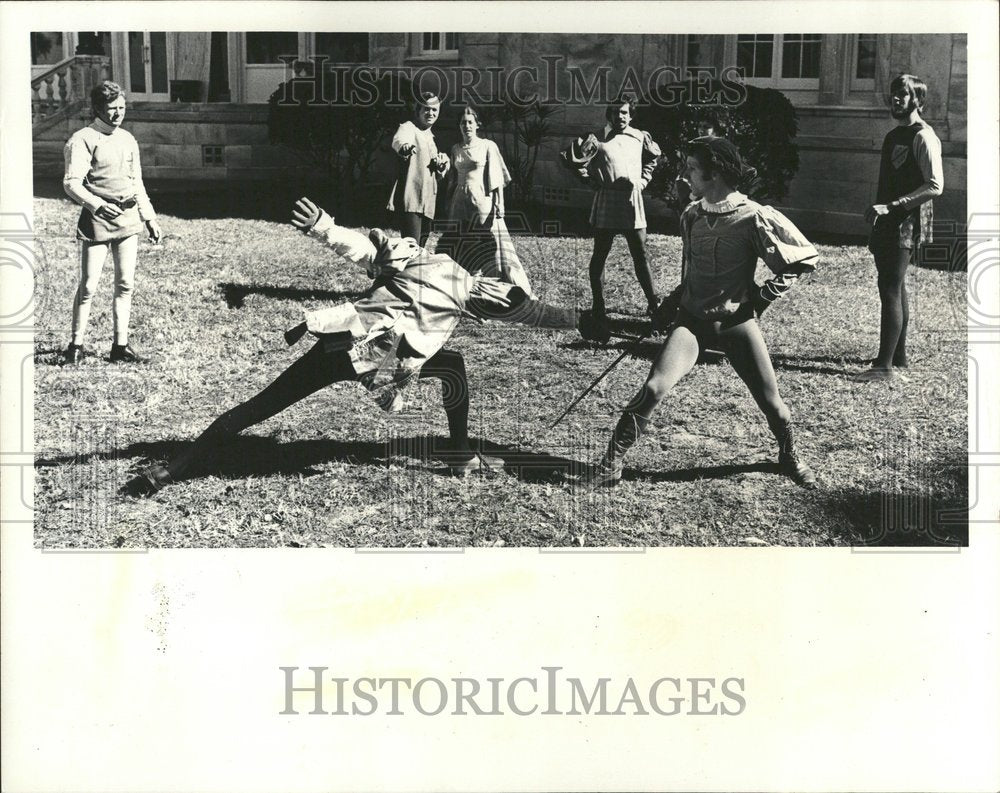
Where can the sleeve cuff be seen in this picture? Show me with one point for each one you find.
(321, 226)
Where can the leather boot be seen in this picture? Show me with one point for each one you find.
(73, 355)
(628, 430)
(788, 460)
(150, 481)
(593, 327)
(123, 353)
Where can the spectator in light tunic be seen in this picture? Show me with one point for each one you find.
(618, 163)
(420, 167)
(103, 175)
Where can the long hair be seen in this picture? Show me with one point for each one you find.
(916, 87)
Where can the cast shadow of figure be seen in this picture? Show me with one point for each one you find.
(256, 456)
(800, 363)
(235, 294)
(700, 472)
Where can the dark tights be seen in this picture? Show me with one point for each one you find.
(415, 225)
(636, 239)
(747, 352)
(307, 375)
(891, 265)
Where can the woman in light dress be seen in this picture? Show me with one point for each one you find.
(478, 238)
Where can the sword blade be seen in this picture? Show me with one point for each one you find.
(600, 377)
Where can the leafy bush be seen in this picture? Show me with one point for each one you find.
(343, 138)
(763, 126)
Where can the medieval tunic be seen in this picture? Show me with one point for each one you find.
(102, 165)
(722, 243)
(910, 172)
(415, 189)
(414, 305)
(619, 165)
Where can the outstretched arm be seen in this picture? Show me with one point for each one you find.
(403, 142)
(352, 245)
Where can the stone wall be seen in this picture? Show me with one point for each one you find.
(840, 128)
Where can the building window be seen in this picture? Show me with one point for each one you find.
(438, 44)
(694, 51)
(266, 47)
(212, 156)
(864, 68)
(755, 54)
(342, 47)
(789, 60)
(46, 48)
(555, 195)
(800, 55)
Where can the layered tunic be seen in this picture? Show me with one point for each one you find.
(415, 189)
(722, 243)
(414, 305)
(102, 166)
(619, 165)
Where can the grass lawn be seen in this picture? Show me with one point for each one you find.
(210, 307)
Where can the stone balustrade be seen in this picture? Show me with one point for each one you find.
(66, 84)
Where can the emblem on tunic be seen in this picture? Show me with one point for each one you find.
(899, 154)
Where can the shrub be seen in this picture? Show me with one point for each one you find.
(341, 137)
(763, 126)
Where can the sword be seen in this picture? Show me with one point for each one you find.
(628, 351)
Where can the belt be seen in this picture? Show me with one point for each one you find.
(127, 203)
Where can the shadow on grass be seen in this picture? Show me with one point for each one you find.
(235, 294)
(700, 472)
(647, 350)
(876, 519)
(815, 365)
(248, 456)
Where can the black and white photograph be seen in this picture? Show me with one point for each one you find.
(371, 368)
(524, 279)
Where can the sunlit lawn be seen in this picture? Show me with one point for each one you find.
(212, 302)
